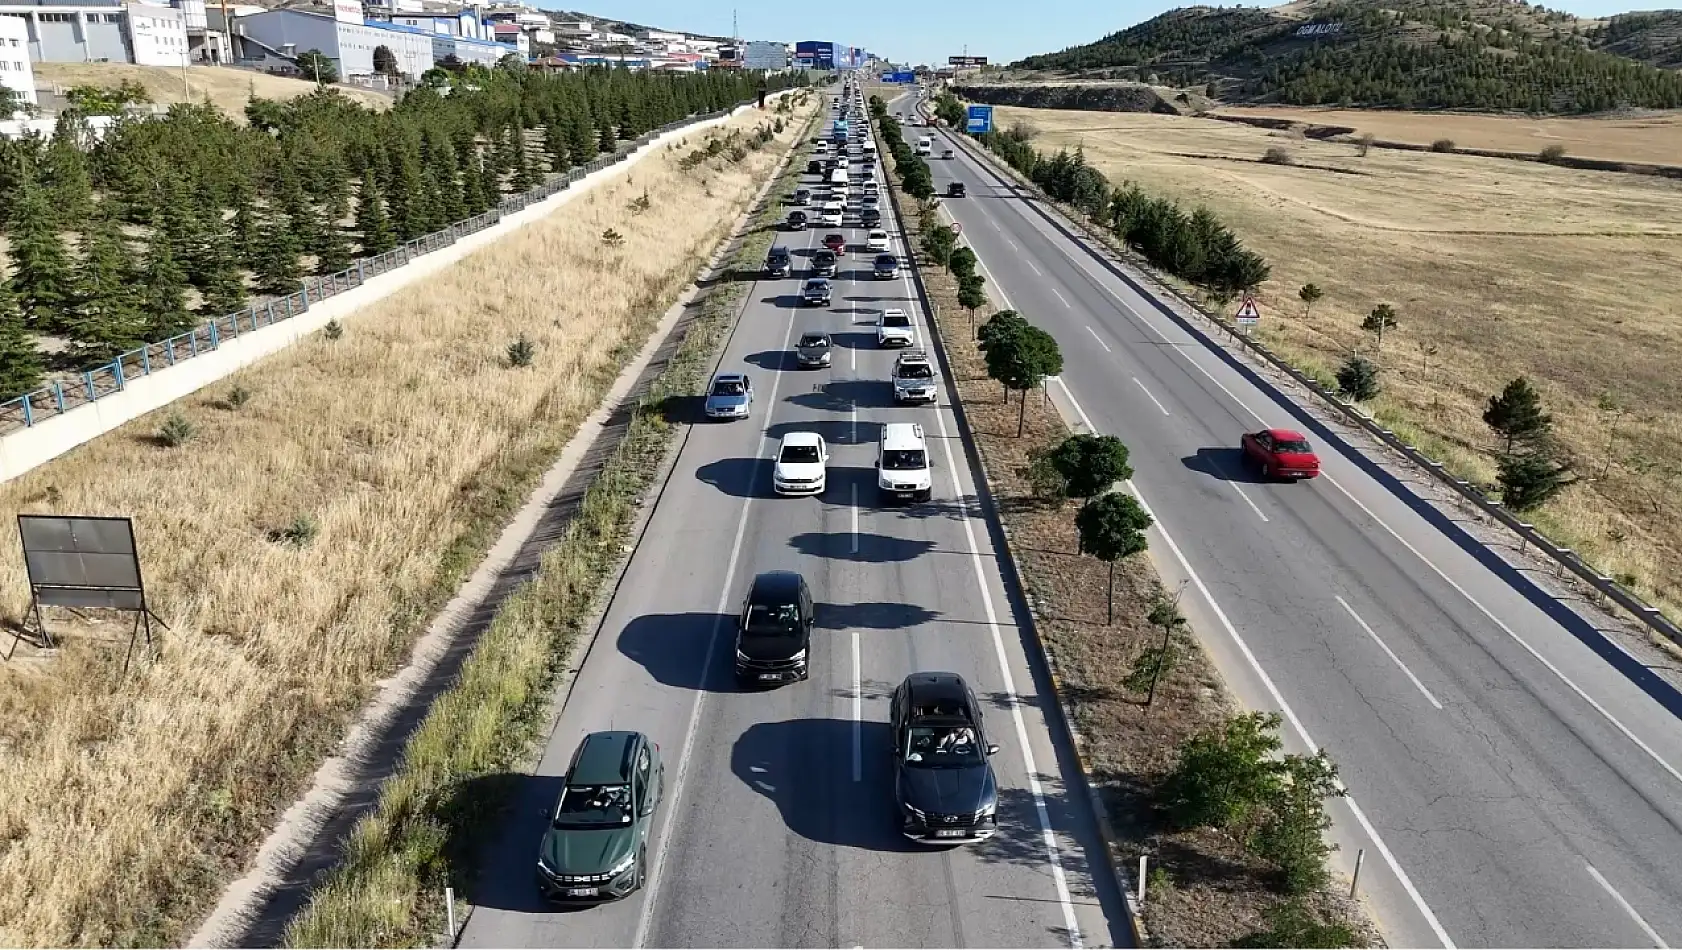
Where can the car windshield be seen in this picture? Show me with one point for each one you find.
(915, 371)
(773, 620)
(824, 257)
(594, 806)
(799, 454)
(728, 387)
(942, 747)
(902, 460)
(813, 340)
(895, 320)
(816, 287)
(1299, 446)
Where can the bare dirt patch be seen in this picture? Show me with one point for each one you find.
(1208, 890)
(1495, 268)
(403, 446)
(226, 88)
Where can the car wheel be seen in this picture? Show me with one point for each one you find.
(1267, 471)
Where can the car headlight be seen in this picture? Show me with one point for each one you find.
(987, 810)
(915, 812)
(742, 657)
(543, 865)
(798, 657)
(623, 865)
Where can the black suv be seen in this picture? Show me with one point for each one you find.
(955, 190)
(777, 262)
(943, 774)
(870, 217)
(823, 263)
(797, 220)
(774, 629)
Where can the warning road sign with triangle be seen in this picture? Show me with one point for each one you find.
(1247, 313)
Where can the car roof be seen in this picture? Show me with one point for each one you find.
(775, 586)
(902, 435)
(878, 231)
(802, 438)
(779, 249)
(604, 758)
(937, 693)
(722, 377)
(1287, 435)
(886, 257)
(810, 281)
(913, 356)
(814, 334)
(893, 311)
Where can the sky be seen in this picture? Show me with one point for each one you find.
(928, 31)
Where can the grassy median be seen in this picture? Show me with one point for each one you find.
(1206, 888)
(299, 525)
(387, 892)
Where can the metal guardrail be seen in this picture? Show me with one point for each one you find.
(1566, 559)
(91, 385)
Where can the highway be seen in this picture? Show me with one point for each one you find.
(1511, 786)
(778, 827)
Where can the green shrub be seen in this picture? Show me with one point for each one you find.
(177, 430)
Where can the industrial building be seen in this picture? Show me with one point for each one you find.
(93, 31)
(820, 54)
(757, 54)
(274, 38)
(16, 73)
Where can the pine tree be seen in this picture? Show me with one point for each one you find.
(293, 201)
(555, 141)
(490, 178)
(371, 222)
(1516, 414)
(180, 221)
(604, 132)
(106, 319)
(42, 279)
(21, 366)
(582, 143)
(524, 178)
(244, 237)
(66, 170)
(163, 293)
(474, 199)
(277, 271)
(221, 281)
(405, 195)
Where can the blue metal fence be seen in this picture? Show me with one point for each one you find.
(93, 384)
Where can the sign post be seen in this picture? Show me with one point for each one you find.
(1248, 315)
(980, 120)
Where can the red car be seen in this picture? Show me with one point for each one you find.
(1281, 453)
(835, 242)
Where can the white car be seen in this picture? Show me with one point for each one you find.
(831, 215)
(876, 240)
(799, 468)
(893, 328)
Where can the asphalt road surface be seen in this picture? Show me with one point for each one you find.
(778, 828)
(1513, 772)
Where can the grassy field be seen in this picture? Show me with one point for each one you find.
(1495, 268)
(1127, 749)
(300, 541)
(1655, 139)
(227, 88)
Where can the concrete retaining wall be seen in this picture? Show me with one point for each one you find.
(28, 448)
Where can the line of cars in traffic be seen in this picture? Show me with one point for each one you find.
(595, 847)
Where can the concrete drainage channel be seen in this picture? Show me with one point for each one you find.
(255, 910)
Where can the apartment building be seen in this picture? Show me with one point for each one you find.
(16, 73)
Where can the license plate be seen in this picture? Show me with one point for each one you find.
(770, 676)
(581, 892)
(951, 833)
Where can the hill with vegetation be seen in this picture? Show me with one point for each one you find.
(1409, 54)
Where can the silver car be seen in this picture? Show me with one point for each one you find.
(730, 396)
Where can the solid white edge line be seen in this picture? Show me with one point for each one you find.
(1101, 343)
(1388, 652)
(858, 709)
(1640, 921)
(657, 873)
(1147, 392)
(1053, 852)
(1278, 697)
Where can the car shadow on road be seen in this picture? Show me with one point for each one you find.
(673, 649)
(1226, 464)
(860, 548)
(682, 409)
(804, 766)
(854, 339)
(843, 395)
(785, 301)
(872, 616)
(775, 361)
(500, 846)
(738, 477)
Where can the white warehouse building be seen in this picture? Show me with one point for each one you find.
(16, 73)
(96, 31)
(349, 41)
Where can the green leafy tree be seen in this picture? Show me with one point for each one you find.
(972, 296)
(1516, 414)
(1224, 773)
(1293, 835)
(962, 262)
(1112, 527)
(1019, 360)
(1153, 663)
(106, 319)
(1090, 464)
(372, 225)
(385, 61)
(1529, 479)
(1357, 379)
(1380, 321)
(315, 65)
(42, 277)
(21, 367)
(938, 243)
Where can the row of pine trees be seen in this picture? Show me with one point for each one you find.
(164, 222)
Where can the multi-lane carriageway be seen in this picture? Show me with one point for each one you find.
(1510, 785)
(778, 827)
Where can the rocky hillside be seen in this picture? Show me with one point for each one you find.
(1471, 54)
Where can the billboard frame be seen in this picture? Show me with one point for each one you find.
(86, 562)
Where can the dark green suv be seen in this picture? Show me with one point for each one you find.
(596, 846)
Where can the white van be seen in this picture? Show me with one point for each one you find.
(902, 463)
(838, 178)
(925, 145)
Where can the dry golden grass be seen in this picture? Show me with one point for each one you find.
(127, 803)
(1653, 139)
(227, 88)
(1495, 268)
